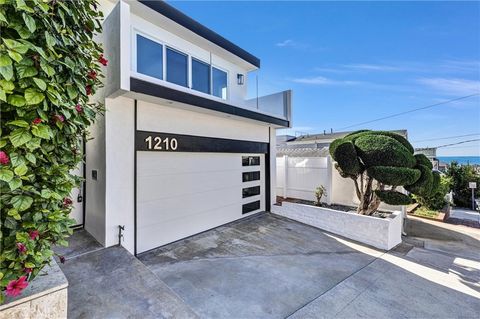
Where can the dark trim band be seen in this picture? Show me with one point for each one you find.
(162, 142)
(179, 17)
(152, 89)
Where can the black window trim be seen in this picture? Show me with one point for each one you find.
(256, 189)
(255, 173)
(250, 207)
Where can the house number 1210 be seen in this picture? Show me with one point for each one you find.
(156, 143)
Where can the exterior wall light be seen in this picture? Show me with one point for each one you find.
(240, 79)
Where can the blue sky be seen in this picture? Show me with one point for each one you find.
(350, 62)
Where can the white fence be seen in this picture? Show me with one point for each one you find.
(297, 177)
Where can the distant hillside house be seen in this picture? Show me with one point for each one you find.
(431, 154)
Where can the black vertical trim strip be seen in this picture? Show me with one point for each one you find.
(135, 183)
(267, 174)
(84, 193)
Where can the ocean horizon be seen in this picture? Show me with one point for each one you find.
(474, 160)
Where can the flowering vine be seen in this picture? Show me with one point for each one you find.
(49, 67)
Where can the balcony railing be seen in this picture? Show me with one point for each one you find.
(276, 104)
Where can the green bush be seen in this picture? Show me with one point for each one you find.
(392, 175)
(436, 200)
(461, 175)
(380, 150)
(423, 160)
(49, 66)
(393, 197)
(424, 185)
(378, 162)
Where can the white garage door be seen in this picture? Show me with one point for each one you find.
(180, 194)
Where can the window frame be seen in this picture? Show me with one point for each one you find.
(188, 70)
(209, 75)
(133, 58)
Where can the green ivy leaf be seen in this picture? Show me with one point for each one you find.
(15, 55)
(19, 137)
(21, 170)
(42, 131)
(46, 193)
(7, 85)
(21, 202)
(16, 46)
(10, 223)
(29, 265)
(72, 91)
(40, 83)
(47, 68)
(7, 72)
(34, 143)
(6, 175)
(15, 183)
(5, 60)
(3, 95)
(16, 100)
(50, 40)
(25, 71)
(20, 123)
(33, 96)
(29, 22)
(31, 158)
(14, 213)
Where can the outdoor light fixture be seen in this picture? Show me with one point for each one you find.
(240, 79)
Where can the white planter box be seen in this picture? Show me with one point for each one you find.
(383, 233)
(45, 297)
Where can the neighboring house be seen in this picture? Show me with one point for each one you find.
(431, 154)
(180, 149)
(321, 140)
(304, 163)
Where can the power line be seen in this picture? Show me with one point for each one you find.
(409, 111)
(445, 138)
(462, 142)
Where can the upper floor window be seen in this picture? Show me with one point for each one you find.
(177, 67)
(219, 83)
(149, 57)
(200, 76)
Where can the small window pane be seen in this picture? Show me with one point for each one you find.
(250, 207)
(200, 76)
(177, 65)
(250, 160)
(219, 79)
(250, 191)
(250, 176)
(149, 57)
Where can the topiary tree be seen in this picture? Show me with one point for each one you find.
(49, 66)
(379, 162)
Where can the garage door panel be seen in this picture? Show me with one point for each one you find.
(181, 194)
(151, 237)
(185, 207)
(185, 184)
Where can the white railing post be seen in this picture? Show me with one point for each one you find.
(285, 175)
(329, 186)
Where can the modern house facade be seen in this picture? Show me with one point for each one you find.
(180, 149)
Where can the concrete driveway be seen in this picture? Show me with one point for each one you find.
(270, 267)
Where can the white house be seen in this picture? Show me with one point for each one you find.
(180, 149)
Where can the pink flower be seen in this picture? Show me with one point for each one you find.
(37, 121)
(15, 287)
(102, 60)
(21, 248)
(88, 88)
(58, 118)
(27, 270)
(79, 108)
(92, 74)
(4, 159)
(33, 234)
(67, 202)
(62, 259)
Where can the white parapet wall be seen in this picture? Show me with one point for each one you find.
(45, 297)
(383, 233)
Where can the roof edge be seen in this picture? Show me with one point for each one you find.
(196, 27)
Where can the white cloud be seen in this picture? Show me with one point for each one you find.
(286, 43)
(452, 86)
(320, 80)
(374, 67)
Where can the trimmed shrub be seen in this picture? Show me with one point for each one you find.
(346, 157)
(392, 175)
(49, 67)
(423, 160)
(461, 175)
(393, 197)
(380, 150)
(423, 186)
(436, 201)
